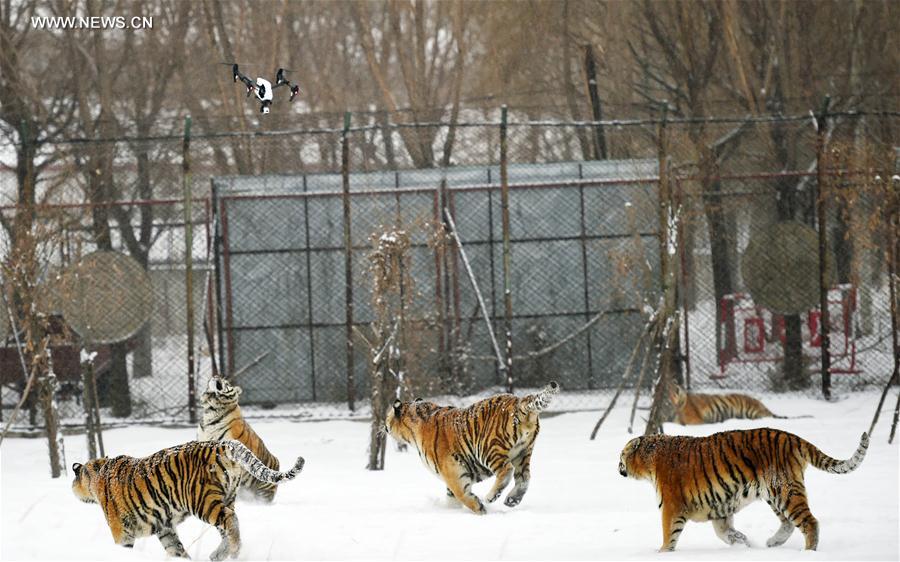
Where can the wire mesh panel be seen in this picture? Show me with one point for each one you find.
(271, 282)
(755, 297)
(561, 249)
(141, 375)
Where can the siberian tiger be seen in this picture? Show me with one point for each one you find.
(463, 446)
(712, 478)
(694, 409)
(151, 495)
(222, 419)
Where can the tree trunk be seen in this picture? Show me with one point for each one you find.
(795, 376)
(119, 393)
(722, 266)
(47, 389)
(569, 83)
(793, 373)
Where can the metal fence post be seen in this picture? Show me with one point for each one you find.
(821, 139)
(309, 287)
(507, 281)
(189, 265)
(217, 274)
(682, 283)
(348, 259)
(585, 276)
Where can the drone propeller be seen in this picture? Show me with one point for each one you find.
(279, 75)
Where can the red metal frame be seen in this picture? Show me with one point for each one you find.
(758, 349)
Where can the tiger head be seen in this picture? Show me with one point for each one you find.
(404, 419)
(220, 391)
(84, 477)
(636, 460)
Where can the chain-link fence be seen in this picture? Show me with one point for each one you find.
(132, 314)
(558, 224)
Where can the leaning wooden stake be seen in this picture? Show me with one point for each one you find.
(503, 365)
(640, 383)
(625, 376)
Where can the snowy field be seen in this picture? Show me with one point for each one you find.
(577, 508)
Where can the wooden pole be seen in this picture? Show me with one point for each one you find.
(892, 200)
(507, 276)
(821, 209)
(348, 260)
(189, 267)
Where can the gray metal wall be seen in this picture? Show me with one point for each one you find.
(575, 252)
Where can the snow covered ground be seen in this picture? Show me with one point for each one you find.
(577, 508)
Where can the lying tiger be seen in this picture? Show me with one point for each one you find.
(464, 446)
(151, 495)
(222, 419)
(694, 409)
(712, 478)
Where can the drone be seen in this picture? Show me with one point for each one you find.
(264, 89)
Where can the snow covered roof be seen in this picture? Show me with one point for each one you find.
(460, 176)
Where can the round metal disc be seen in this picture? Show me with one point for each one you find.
(781, 268)
(106, 297)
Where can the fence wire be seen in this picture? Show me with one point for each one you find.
(270, 256)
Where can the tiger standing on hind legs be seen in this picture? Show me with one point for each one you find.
(464, 446)
(222, 419)
(152, 495)
(712, 478)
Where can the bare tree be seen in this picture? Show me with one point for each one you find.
(112, 102)
(428, 45)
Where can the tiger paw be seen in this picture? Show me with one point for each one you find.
(737, 537)
(512, 501)
(494, 498)
(776, 541)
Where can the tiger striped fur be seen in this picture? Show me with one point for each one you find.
(222, 419)
(464, 446)
(694, 409)
(712, 478)
(152, 495)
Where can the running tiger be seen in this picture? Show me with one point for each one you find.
(222, 419)
(151, 495)
(695, 409)
(712, 478)
(494, 436)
